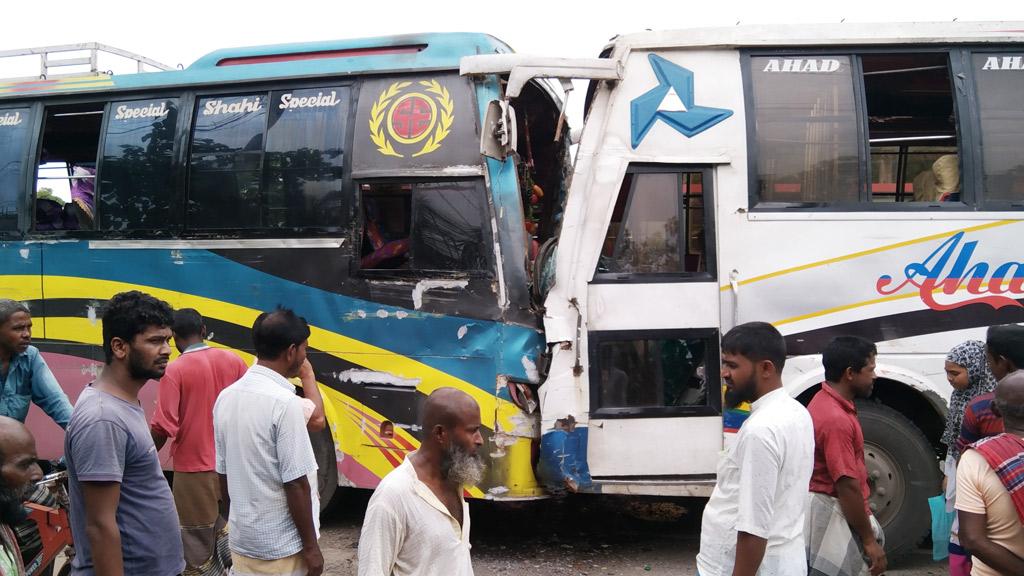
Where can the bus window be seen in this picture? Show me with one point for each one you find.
(226, 162)
(654, 373)
(1000, 91)
(15, 132)
(137, 175)
(305, 157)
(66, 177)
(911, 125)
(657, 225)
(806, 129)
(424, 226)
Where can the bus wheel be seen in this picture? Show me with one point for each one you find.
(902, 474)
(327, 464)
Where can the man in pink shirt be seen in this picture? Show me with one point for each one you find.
(184, 414)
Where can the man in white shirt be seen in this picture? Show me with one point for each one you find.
(754, 522)
(264, 457)
(417, 522)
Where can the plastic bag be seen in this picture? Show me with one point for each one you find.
(942, 522)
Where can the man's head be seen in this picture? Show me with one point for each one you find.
(753, 355)
(15, 327)
(18, 469)
(451, 424)
(850, 362)
(1009, 401)
(137, 333)
(281, 337)
(1005, 348)
(188, 328)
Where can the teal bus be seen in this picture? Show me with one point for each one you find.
(342, 179)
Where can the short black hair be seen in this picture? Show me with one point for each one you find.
(846, 352)
(129, 314)
(1007, 340)
(756, 341)
(273, 332)
(188, 322)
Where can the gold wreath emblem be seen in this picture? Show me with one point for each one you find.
(389, 98)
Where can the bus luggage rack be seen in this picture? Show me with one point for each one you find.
(56, 57)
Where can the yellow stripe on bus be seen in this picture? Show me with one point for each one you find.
(726, 287)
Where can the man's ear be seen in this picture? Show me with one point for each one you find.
(767, 368)
(439, 434)
(119, 347)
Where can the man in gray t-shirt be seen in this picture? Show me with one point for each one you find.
(123, 519)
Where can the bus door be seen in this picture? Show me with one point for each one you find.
(653, 338)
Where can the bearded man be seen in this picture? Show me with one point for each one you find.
(417, 521)
(18, 475)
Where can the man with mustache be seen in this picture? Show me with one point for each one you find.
(18, 474)
(24, 376)
(754, 522)
(417, 522)
(123, 519)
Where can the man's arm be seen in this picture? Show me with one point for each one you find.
(100, 500)
(851, 501)
(380, 539)
(300, 506)
(311, 391)
(760, 467)
(225, 498)
(47, 393)
(974, 536)
(166, 417)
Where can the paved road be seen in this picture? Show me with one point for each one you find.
(581, 536)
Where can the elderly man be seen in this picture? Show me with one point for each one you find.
(18, 473)
(990, 495)
(417, 521)
(24, 375)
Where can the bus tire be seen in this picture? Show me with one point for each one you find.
(327, 465)
(903, 473)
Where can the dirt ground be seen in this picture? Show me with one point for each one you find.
(578, 536)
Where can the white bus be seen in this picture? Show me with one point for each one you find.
(833, 179)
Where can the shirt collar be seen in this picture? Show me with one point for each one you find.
(846, 404)
(195, 347)
(424, 492)
(272, 376)
(768, 398)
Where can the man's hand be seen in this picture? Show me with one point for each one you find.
(314, 560)
(877, 562)
(306, 373)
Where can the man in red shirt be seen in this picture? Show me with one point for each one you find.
(843, 538)
(184, 414)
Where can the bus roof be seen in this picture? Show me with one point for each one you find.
(835, 34)
(402, 53)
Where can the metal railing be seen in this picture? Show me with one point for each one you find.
(50, 58)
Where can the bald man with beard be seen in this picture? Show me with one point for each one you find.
(990, 494)
(417, 522)
(18, 474)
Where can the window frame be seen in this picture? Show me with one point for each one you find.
(977, 158)
(26, 202)
(712, 363)
(964, 104)
(389, 273)
(710, 274)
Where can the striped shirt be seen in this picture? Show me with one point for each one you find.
(979, 422)
(261, 443)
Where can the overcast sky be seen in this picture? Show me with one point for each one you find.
(178, 32)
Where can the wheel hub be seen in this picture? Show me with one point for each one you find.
(886, 483)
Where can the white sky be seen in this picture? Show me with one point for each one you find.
(180, 31)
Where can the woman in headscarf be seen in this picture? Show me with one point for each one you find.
(968, 373)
